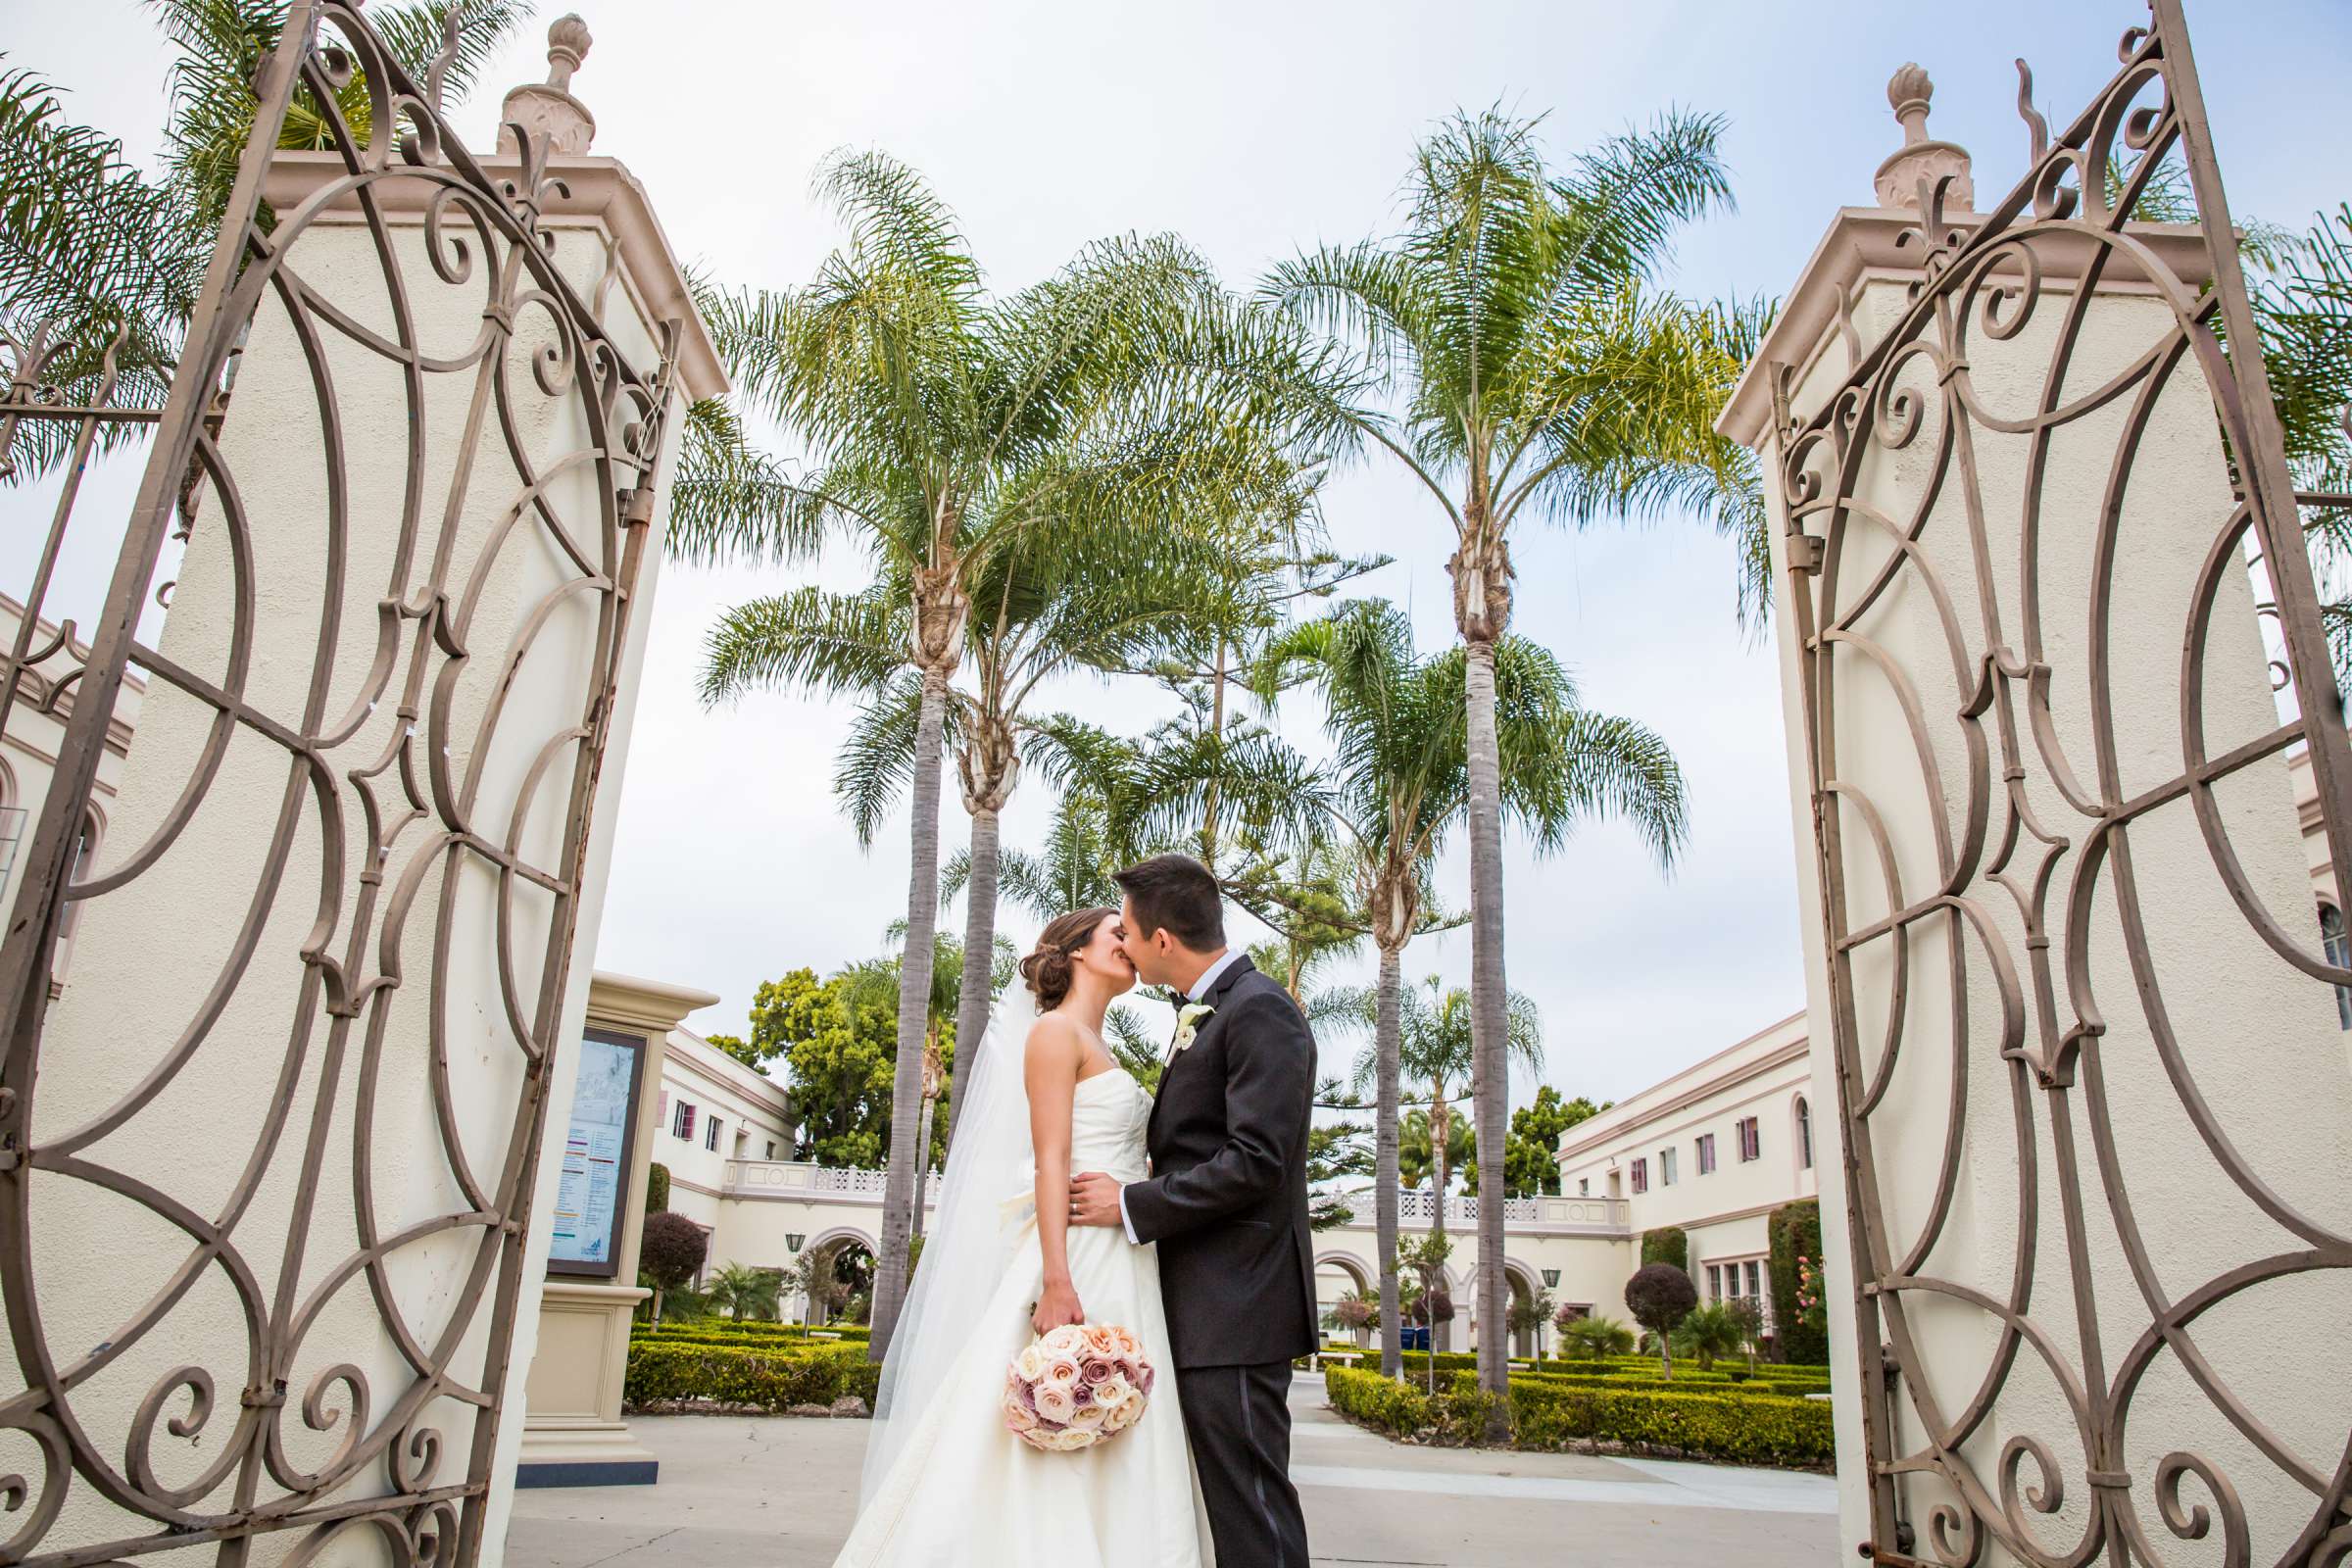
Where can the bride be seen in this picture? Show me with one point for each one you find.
(946, 1482)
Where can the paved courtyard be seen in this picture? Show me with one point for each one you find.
(738, 1492)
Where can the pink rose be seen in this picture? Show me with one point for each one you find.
(1094, 1368)
(1083, 1395)
(1056, 1404)
(1018, 1419)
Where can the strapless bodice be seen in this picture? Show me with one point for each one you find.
(1107, 1116)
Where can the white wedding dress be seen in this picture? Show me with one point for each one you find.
(954, 1485)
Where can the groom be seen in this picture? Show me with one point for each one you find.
(1227, 1205)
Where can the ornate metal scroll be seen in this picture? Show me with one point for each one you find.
(289, 1338)
(2022, 1043)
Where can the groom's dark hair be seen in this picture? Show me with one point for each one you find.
(1178, 895)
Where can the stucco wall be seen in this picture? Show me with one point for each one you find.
(1977, 1151)
(427, 1063)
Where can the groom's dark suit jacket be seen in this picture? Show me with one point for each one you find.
(1227, 1203)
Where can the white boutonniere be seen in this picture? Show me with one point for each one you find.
(1187, 1024)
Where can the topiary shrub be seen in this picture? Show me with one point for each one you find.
(1667, 1244)
(1799, 1334)
(1660, 1295)
(656, 1187)
(671, 1252)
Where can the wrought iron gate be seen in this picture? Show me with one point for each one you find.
(1972, 959)
(349, 908)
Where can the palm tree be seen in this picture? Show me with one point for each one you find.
(746, 1292)
(108, 261)
(1436, 1047)
(1539, 370)
(966, 443)
(1402, 783)
(1418, 1157)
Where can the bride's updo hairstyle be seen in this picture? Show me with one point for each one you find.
(1047, 970)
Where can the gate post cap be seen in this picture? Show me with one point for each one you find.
(1921, 158)
(548, 109)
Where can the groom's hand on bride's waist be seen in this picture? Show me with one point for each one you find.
(1095, 1200)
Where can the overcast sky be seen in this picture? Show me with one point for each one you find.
(1254, 130)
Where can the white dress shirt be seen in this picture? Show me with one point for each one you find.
(1192, 992)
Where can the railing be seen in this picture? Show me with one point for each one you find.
(803, 1178)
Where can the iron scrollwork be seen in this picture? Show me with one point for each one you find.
(392, 791)
(1999, 1406)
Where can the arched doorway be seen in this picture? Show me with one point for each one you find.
(1524, 1331)
(839, 1276)
(1338, 1278)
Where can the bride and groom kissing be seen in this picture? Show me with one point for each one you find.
(1074, 1195)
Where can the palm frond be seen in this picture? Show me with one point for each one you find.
(831, 644)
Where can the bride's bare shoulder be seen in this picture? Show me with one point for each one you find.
(1055, 1037)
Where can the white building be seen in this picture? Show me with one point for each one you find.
(1711, 1150)
(36, 723)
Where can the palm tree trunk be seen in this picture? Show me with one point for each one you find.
(1217, 728)
(922, 1155)
(1441, 1131)
(1491, 1076)
(915, 1016)
(976, 996)
(1385, 1032)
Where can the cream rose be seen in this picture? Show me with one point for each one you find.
(1072, 1441)
(1088, 1415)
(1112, 1389)
(1018, 1418)
(1030, 1364)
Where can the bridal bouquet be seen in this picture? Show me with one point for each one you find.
(1081, 1385)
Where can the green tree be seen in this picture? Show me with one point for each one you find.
(1402, 783)
(93, 249)
(837, 1059)
(1531, 1314)
(736, 1046)
(979, 450)
(741, 1290)
(1592, 1337)
(1434, 1048)
(1417, 1154)
(1536, 371)
(1709, 1330)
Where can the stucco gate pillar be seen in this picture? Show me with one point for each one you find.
(2085, 1204)
(278, 1197)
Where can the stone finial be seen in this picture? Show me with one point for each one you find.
(1908, 92)
(548, 109)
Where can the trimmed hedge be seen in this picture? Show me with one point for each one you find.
(1794, 1229)
(1547, 1415)
(1643, 1368)
(1666, 1244)
(737, 1376)
(1456, 1416)
(1742, 1429)
(752, 1331)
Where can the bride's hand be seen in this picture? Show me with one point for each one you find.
(1057, 1304)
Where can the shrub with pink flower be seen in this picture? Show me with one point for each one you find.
(1081, 1385)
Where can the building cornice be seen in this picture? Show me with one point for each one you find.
(1866, 243)
(598, 192)
(1590, 1135)
(714, 1063)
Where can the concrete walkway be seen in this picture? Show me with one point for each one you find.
(742, 1492)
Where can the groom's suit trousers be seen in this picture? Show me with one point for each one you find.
(1238, 1421)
